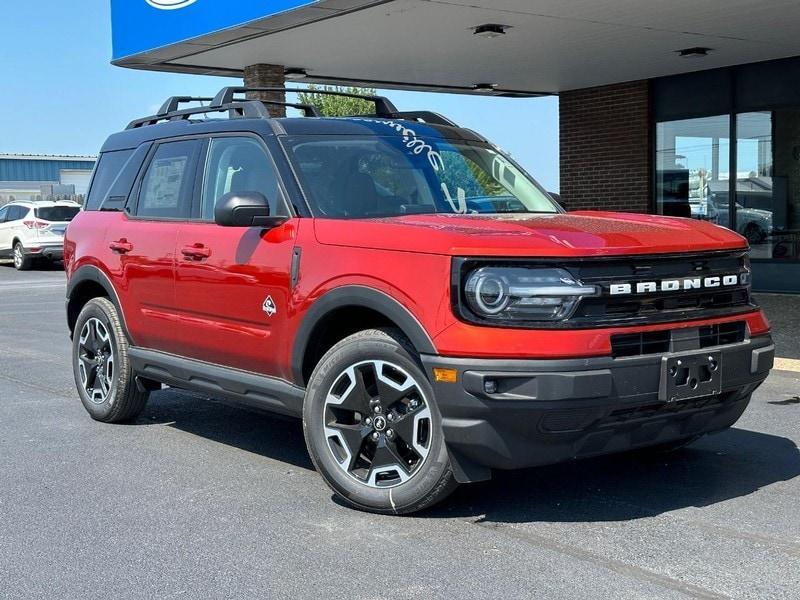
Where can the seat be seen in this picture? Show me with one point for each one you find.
(359, 195)
(252, 173)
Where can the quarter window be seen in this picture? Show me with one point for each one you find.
(239, 164)
(167, 185)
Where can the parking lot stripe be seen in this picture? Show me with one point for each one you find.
(787, 364)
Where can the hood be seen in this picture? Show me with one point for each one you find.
(585, 233)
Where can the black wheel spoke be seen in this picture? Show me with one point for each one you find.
(404, 428)
(354, 437)
(357, 400)
(388, 394)
(386, 455)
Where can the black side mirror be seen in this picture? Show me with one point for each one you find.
(245, 209)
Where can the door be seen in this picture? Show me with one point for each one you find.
(13, 226)
(141, 243)
(232, 284)
(5, 231)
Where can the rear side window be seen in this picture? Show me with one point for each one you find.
(15, 213)
(107, 170)
(57, 213)
(168, 182)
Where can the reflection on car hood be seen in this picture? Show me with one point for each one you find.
(583, 233)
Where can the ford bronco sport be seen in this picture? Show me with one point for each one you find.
(404, 287)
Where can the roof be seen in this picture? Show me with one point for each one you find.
(548, 46)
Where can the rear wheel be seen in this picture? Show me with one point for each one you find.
(101, 365)
(22, 262)
(372, 426)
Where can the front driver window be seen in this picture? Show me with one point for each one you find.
(239, 164)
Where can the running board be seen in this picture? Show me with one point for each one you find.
(252, 389)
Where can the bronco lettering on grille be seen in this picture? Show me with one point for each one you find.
(677, 285)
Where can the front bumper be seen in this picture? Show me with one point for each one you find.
(548, 411)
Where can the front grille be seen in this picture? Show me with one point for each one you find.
(660, 306)
(636, 344)
(722, 333)
(691, 338)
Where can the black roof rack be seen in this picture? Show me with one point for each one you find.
(248, 110)
(225, 101)
(383, 106)
(172, 103)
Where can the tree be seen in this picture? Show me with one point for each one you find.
(338, 106)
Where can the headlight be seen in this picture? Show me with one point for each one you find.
(524, 294)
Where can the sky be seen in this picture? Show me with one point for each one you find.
(60, 94)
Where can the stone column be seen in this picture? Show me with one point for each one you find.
(262, 75)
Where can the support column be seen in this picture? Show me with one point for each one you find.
(263, 75)
(605, 147)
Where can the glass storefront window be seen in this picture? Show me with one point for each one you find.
(692, 165)
(768, 182)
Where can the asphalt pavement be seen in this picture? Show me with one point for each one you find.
(202, 499)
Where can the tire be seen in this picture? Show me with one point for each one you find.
(99, 345)
(22, 262)
(754, 234)
(390, 472)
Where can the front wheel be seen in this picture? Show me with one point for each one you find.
(372, 426)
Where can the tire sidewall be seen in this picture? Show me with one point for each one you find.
(401, 498)
(95, 309)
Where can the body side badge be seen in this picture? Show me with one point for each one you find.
(269, 306)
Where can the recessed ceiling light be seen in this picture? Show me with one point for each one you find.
(694, 52)
(490, 30)
(295, 73)
(485, 88)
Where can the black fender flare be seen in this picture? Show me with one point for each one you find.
(357, 296)
(95, 275)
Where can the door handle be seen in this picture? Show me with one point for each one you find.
(196, 252)
(122, 246)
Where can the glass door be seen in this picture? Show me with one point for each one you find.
(768, 183)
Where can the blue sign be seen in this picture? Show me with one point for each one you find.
(142, 25)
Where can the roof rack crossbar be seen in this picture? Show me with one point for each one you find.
(383, 106)
(309, 110)
(172, 103)
(249, 110)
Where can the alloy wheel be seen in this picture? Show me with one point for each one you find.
(378, 423)
(96, 360)
(18, 257)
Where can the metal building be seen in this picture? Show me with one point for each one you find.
(32, 176)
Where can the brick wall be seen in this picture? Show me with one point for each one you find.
(605, 147)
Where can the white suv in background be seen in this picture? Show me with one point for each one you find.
(31, 230)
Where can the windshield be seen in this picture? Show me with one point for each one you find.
(377, 176)
(57, 213)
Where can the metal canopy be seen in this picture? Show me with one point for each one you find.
(549, 46)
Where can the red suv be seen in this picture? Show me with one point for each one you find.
(404, 287)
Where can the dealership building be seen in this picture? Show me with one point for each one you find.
(687, 108)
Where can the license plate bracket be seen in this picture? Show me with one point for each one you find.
(688, 375)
